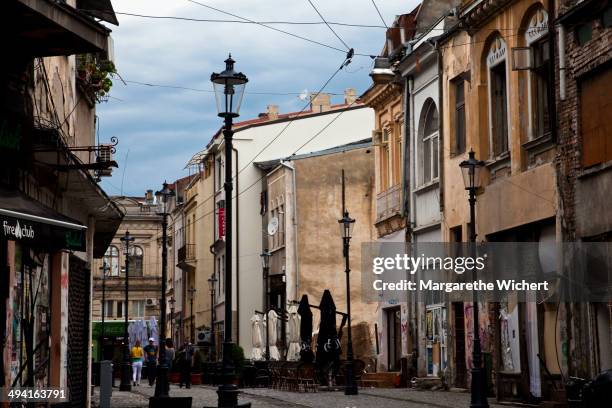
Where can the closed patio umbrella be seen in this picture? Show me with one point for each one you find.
(305, 313)
(293, 351)
(272, 326)
(328, 345)
(256, 338)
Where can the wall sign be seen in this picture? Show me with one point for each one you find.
(42, 235)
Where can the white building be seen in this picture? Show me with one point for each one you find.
(268, 137)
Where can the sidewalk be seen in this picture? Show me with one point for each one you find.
(268, 398)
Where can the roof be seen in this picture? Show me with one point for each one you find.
(359, 144)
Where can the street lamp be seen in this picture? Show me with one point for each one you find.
(471, 171)
(346, 224)
(104, 268)
(229, 89)
(161, 386)
(212, 281)
(191, 316)
(172, 302)
(126, 365)
(265, 263)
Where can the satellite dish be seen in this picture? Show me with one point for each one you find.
(304, 95)
(272, 226)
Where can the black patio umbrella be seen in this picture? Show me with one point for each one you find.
(328, 345)
(306, 354)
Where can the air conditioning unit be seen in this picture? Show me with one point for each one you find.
(105, 155)
(203, 337)
(151, 302)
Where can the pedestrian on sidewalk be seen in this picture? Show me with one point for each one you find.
(137, 355)
(151, 356)
(169, 353)
(186, 360)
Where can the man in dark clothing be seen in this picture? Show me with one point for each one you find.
(151, 359)
(186, 358)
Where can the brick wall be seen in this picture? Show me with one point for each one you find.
(580, 61)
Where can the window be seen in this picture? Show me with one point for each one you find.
(120, 308)
(108, 308)
(498, 97)
(385, 150)
(138, 308)
(219, 173)
(606, 18)
(459, 145)
(136, 262)
(428, 152)
(111, 258)
(594, 122)
(536, 37)
(584, 33)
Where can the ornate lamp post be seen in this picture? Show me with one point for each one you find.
(161, 386)
(346, 230)
(229, 89)
(126, 365)
(104, 268)
(265, 263)
(470, 170)
(191, 316)
(172, 302)
(212, 281)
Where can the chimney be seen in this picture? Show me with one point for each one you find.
(272, 111)
(350, 96)
(320, 102)
(149, 197)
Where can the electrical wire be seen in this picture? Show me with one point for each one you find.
(274, 28)
(207, 20)
(328, 26)
(380, 14)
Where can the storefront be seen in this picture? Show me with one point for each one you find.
(32, 239)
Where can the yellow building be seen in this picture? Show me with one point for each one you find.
(502, 111)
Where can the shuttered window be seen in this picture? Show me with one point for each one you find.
(595, 123)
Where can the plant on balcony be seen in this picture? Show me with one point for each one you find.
(94, 77)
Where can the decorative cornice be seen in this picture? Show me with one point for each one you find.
(477, 13)
(381, 95)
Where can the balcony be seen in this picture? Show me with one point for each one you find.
(388, 203)
(186, 257)
(388, 211)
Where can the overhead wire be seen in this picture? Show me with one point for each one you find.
(328, 26)
(379, 14)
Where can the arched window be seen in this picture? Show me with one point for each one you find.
(111, 258)
(428, 143)
(536, 37)
(498, 96)
(136, 262)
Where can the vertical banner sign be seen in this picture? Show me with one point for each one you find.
(221, 222)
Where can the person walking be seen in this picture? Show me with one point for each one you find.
(151, 356)
(137, 355)
(169, 353)
(186, 359)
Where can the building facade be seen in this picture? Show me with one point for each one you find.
(56, 219)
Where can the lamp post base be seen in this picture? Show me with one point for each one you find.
(162, 387)
(478, 391)
(126, 376)
(350, 386)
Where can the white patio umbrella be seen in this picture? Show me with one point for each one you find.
(256, 338)
(293, 336)
(273, 333)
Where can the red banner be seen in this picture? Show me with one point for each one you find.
(221, 222)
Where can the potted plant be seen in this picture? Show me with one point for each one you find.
(239, 363)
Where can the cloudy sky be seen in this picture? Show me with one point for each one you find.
(160, 128)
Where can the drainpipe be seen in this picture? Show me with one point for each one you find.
(237, 248)
(438, 52)
(561, 47)
(552, 110)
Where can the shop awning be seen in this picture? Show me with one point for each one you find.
(28, 221)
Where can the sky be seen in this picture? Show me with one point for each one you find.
(160, 128)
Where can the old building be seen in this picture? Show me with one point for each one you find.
(143, 223)
(55, 217)
(386, 97)
(507, 111)
(268, 137)
(300, 208)
(584, 153)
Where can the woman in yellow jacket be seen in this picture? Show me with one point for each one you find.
(137, 355)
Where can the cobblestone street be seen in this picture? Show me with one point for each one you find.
(264, 398)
